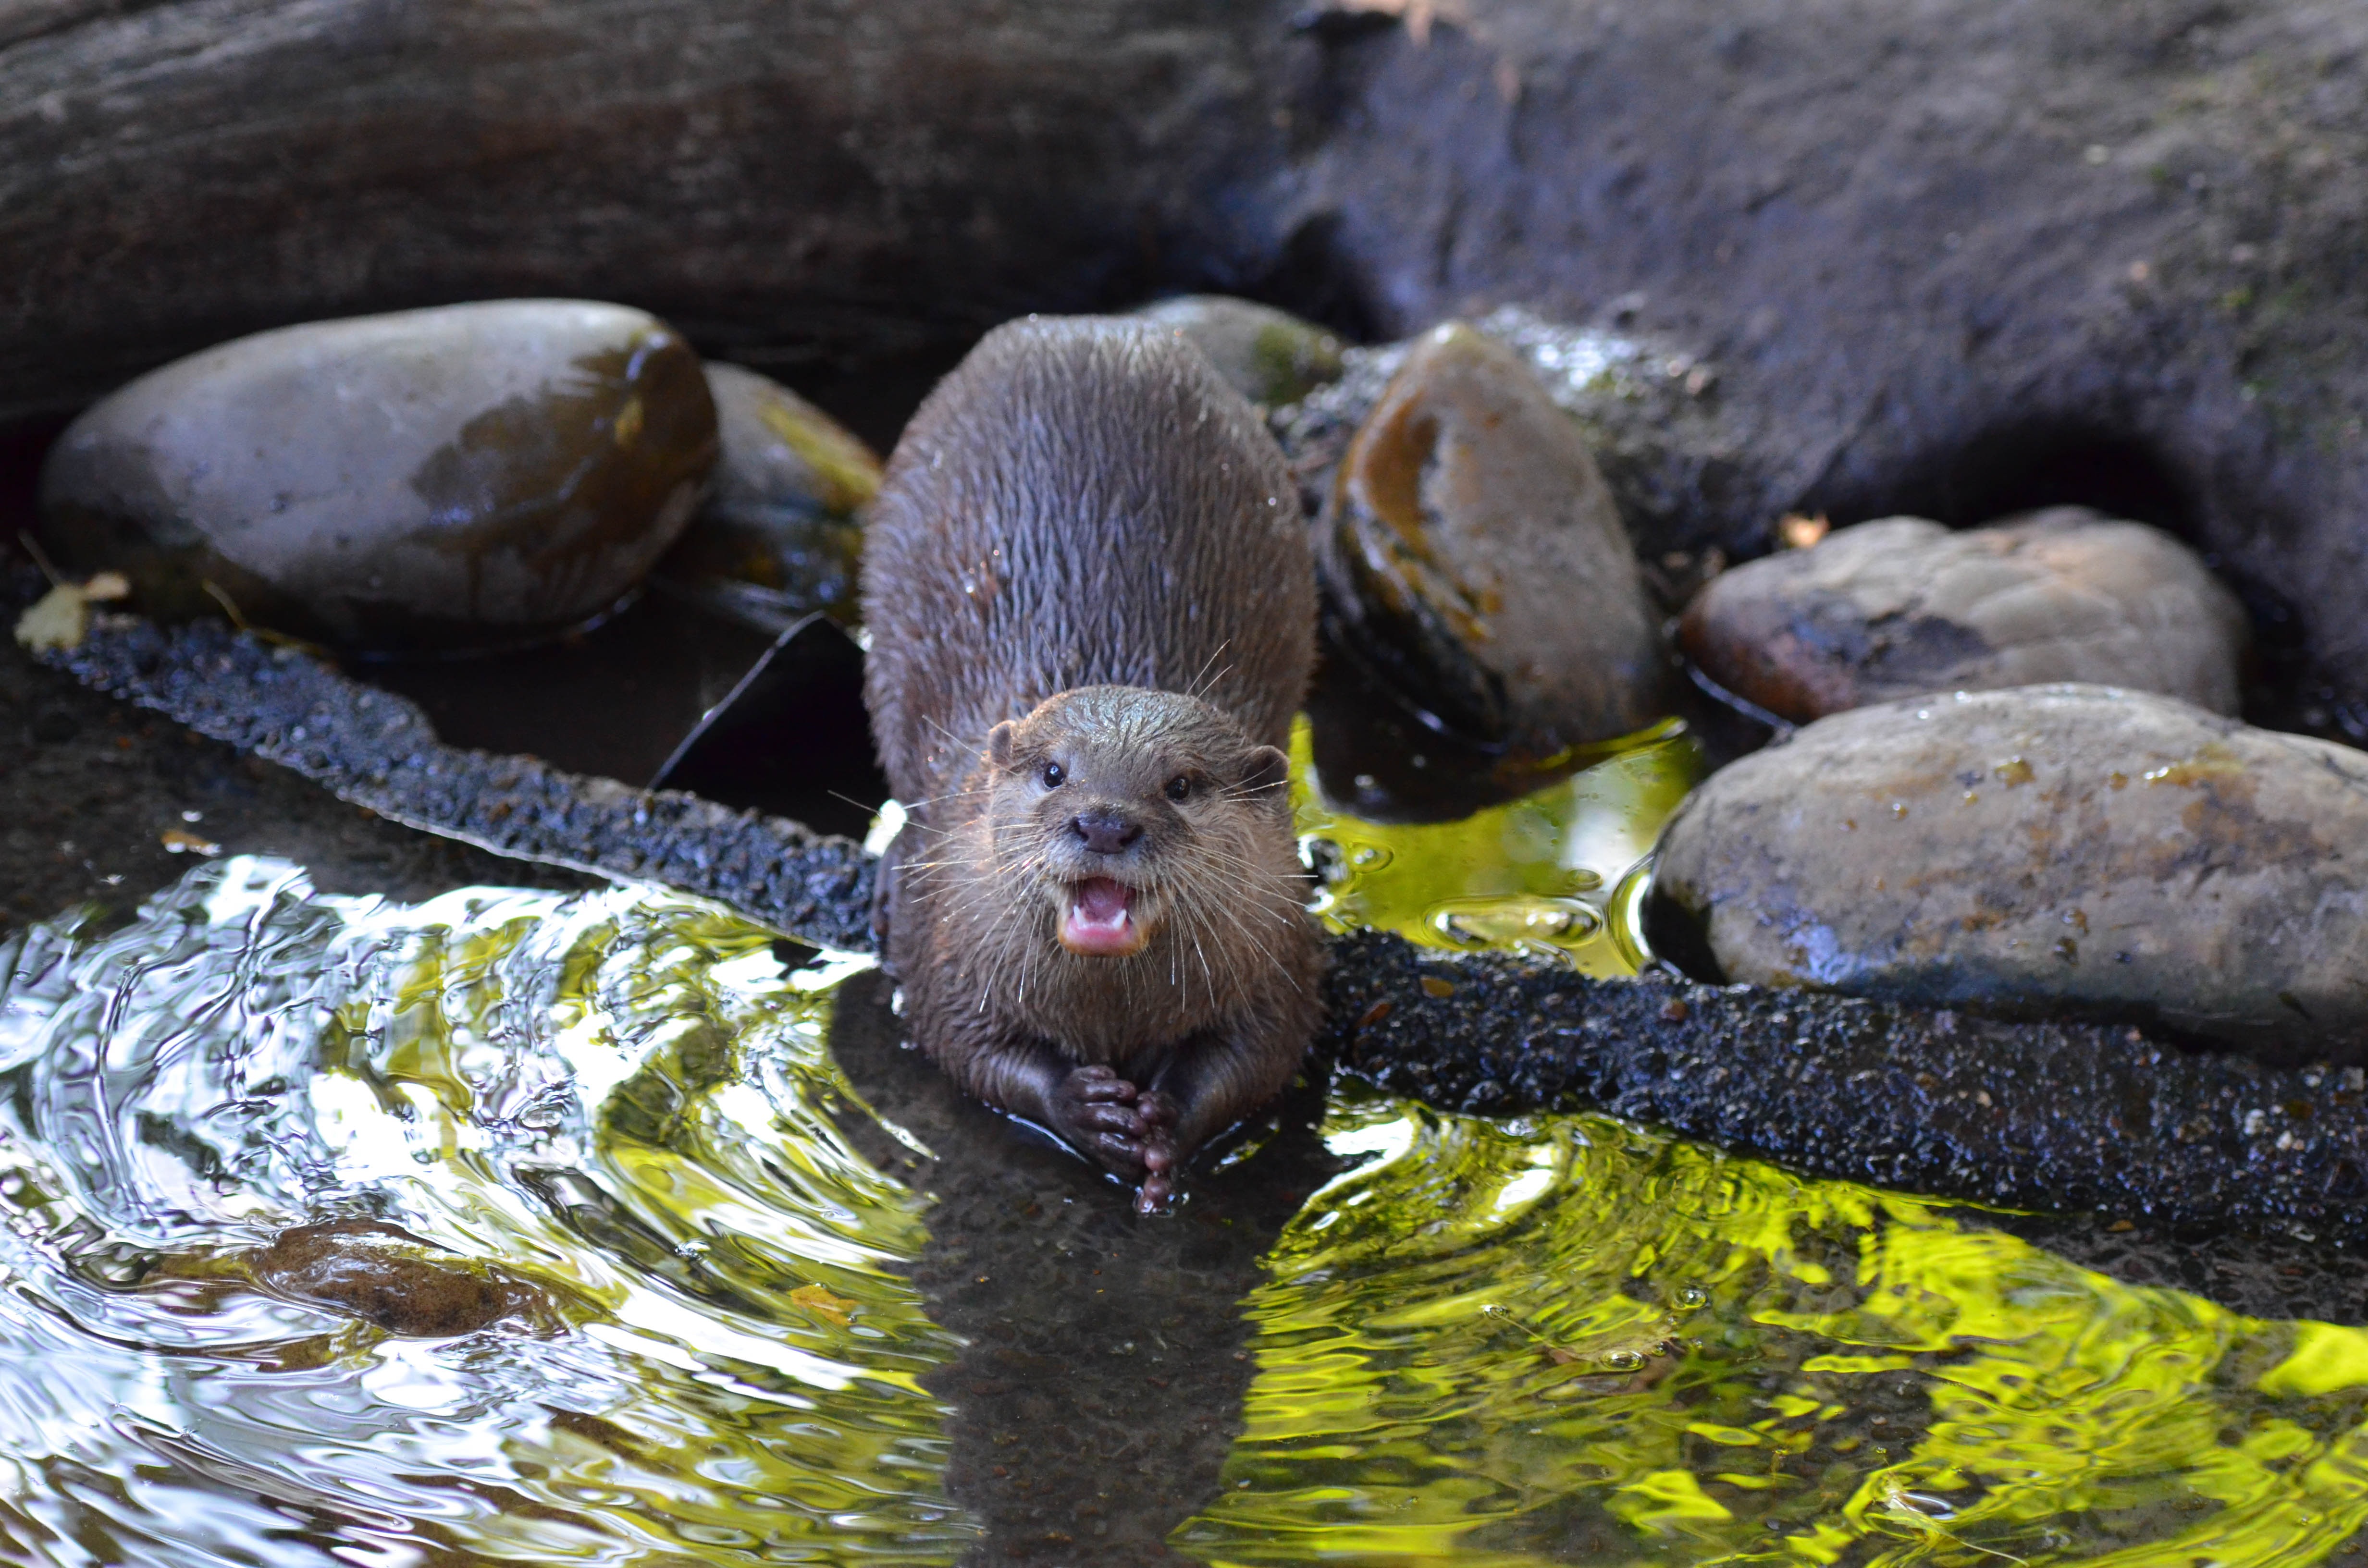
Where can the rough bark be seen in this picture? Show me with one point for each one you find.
(2043, 1116)
(1944, 257)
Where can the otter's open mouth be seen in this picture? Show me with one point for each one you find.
(1098, 919)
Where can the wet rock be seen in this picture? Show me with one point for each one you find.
(468, 477)
(1647, 410)
(387, 1277)
(781, 533)
(2064, 848)
(1269, 356)
(1473, 561)
(1903, 606)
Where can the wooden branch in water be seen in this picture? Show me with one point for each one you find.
(2030, 1115)
(377, 750)
(2047, 1116)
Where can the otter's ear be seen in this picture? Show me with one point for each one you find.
(999, 744)
(1264, 769)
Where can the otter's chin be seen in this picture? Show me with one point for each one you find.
(1098, 920)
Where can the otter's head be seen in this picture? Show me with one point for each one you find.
(1127, 809)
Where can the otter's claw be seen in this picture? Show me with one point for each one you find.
(1127, 1131)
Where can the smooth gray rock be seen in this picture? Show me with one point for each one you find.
(1902, 607)
(1269, 356)
(1474, 561)
(474, 476)
(781, 533)
(2059, 848)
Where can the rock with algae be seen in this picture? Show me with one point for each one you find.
(1268, 355)
(781, 533)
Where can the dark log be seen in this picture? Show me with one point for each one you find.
(2040, 1115)
(1942, 255)
(377, 750)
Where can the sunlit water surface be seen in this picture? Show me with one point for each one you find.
(1552, 1339)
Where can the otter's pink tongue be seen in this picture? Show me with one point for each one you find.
(1097, 920)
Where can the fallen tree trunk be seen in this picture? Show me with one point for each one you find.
(1935, 255)
(2044, 1116)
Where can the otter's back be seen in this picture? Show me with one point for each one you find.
(1082, 502)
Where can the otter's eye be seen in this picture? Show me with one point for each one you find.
(1180, 787)
(1052, 775)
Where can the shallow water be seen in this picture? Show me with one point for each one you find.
(749, 1320)
(1557, 874)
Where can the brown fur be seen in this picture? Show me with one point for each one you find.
(1088, 553)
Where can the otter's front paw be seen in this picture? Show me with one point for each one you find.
(1129, 1133)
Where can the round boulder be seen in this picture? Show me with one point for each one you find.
(781, 533)
(472, 476)
(1902, 607)
(2046, 850)
(1473, 559)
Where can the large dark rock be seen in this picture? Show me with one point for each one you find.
(2047, 850)
(1473, 559)
(1903, 606)
(1933, 257)
(479, 475)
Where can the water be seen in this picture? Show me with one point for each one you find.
(1558, 874)
(619, 1099)
(745, 1308)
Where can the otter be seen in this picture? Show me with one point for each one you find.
(1092, 608)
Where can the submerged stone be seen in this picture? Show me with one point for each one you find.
(1473, 560)
(474, 476)
(781, 533)
(1268, 355)
(387, 1277)
(1902, 607)
(2063, 849)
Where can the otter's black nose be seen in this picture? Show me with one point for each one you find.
(1105, 833)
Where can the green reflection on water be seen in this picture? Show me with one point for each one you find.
(1555, 874)
(1563, 1339)
(1543, 1340)
(618, 1096)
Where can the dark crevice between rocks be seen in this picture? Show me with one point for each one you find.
(1314, 276)
(2057, 1118)
(2022, 468)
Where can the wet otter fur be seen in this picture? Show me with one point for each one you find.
(1092, 611)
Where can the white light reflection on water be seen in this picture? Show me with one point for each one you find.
(613, 1097)
(1538, 1340)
